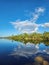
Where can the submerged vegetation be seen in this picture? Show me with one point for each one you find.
(32, 38)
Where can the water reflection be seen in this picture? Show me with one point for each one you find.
(34, 42)
(18, 53)
(34, 54)
(29, 49)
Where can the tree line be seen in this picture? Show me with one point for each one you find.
(32, 37)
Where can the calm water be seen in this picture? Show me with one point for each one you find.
(18, 53)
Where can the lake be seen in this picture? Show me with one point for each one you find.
(18, 53)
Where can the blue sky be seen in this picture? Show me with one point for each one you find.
(23, 16)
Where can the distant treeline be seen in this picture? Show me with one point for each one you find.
(33, 37)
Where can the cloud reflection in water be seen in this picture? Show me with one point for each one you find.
(29, 49)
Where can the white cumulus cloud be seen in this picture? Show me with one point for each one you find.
(25, 26)
(28, 26)
(46, 25)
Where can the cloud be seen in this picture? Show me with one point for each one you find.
(40, 10)
(25, 26)
(46, 25)
(28, 26)
(37, 13)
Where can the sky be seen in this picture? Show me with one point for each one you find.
(23, 16)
